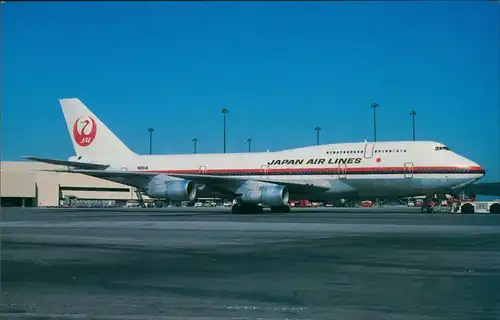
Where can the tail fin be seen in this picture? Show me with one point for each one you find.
(91, 138)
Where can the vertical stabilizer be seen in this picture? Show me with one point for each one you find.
(91, 138)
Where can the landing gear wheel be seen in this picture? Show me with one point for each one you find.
(284, 209)
(495, 208)
(241, 208)
(237, 209)
(468, 208)
(258, 209)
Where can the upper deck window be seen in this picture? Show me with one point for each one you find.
(442, 148)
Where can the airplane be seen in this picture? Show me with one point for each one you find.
(266, 179)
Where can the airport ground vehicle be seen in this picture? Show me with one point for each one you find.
(480, 207)
(367, 204)
(463, 207)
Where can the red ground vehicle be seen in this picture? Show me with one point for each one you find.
(300, 203)
(366, 204)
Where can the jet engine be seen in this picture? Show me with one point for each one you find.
(272, 196)
(180, 190)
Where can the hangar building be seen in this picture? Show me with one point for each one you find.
(23, 185)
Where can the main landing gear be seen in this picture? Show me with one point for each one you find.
(245, 208)
(283, 209)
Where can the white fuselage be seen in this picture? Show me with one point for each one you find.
(351, 169)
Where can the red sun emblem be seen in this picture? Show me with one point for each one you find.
(378, 160)
(84, 131)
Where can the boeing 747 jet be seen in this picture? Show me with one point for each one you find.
(266, 179)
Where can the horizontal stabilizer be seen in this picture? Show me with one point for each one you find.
(80, 165)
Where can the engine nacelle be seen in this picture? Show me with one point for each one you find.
(272, 196)
(181, 190)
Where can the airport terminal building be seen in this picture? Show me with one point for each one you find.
(22, 184)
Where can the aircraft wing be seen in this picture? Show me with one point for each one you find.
(81, 165)
(135, 179)
(141, 179)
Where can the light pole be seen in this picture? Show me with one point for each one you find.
(317, 129)
(413, 114)
(374, 106)
(224, 113)
(151, 140)
(195, 141)
(249, 141)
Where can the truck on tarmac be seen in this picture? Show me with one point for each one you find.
(466, 207)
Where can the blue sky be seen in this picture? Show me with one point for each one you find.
(280, 68)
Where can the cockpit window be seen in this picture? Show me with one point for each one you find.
(442, 148)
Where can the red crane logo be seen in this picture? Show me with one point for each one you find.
(84, 131)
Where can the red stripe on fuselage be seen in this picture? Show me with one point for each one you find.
(374, 170)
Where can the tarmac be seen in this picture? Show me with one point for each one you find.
(199, 263)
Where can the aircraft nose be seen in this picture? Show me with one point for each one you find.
(482, 171)
(476, 168)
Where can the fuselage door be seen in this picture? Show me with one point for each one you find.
(369, 147)
(342, 171)
(408, 170)
(264, 171)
